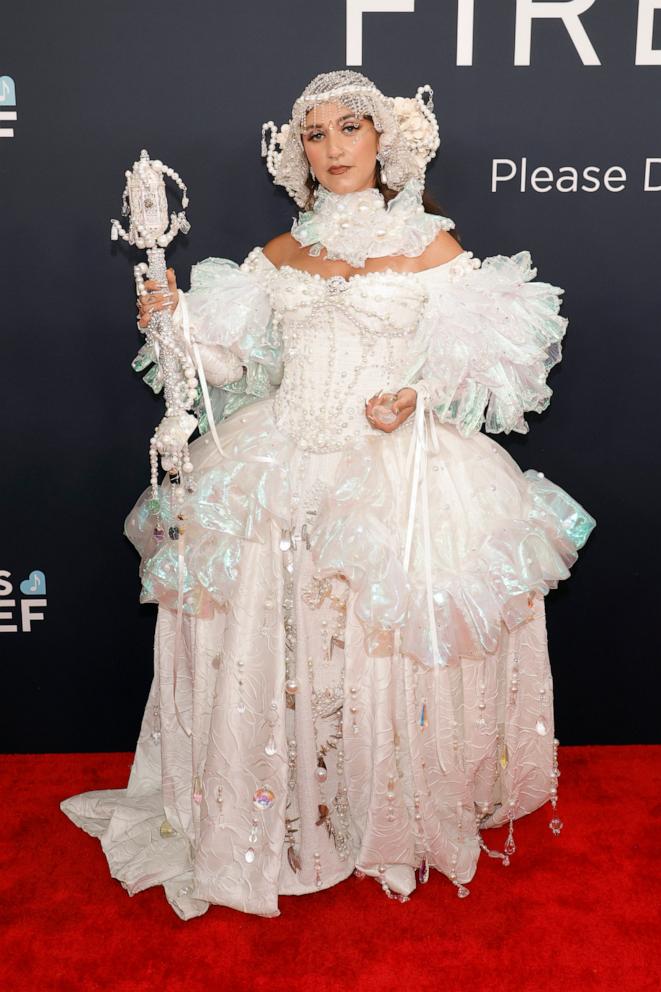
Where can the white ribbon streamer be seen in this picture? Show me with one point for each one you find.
(423, 440)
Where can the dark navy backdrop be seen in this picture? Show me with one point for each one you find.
(192, 83)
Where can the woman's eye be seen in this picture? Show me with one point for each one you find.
(350, 128)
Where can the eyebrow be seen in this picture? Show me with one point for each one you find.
(315, 126)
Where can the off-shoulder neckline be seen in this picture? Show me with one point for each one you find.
(358, 275)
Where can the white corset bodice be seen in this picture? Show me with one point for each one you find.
(343, 341)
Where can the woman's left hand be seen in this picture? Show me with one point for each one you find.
(403, 406)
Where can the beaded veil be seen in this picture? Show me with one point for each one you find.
(408, 131)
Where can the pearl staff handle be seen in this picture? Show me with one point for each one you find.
(144, 201)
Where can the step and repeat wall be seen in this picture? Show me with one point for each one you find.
(549, 118)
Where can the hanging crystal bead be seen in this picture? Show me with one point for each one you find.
(423, 871)
(271, 747)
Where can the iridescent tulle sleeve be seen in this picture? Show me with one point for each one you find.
(230, 314)
(489, 337)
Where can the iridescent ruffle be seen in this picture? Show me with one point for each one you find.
(490, 336)
(234, 502)
(498, 535)
(229, 308)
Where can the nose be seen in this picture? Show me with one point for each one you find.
(334, 144)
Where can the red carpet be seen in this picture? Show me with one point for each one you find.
(575, 913)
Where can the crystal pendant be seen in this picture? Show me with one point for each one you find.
(158, 532)
(555, 825)
(293, 858)
(166, 829)
(154, 505)
(155, 736)
(241, 707)
(541, 727)
(423, 871)
(462, 891)
(510, 846)
(504, 759)
(270, 747)
(173, 533)
(252, 836)
(285, 541)
(197, 791)
(250, 855)
(263, 798)
(383, 414)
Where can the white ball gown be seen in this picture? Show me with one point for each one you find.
(351, 663)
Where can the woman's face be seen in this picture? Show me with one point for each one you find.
(333, 136)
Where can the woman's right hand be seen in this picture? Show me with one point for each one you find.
(157, 298)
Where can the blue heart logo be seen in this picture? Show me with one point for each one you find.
(35, 585)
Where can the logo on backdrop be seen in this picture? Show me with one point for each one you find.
(24, 606)
(569, 12)
(7, 99)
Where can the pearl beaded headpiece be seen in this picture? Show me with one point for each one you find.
(408, 131)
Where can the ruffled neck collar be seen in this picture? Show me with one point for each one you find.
(360, 225)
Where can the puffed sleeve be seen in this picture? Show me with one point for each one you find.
(230, 318)
(487, 340)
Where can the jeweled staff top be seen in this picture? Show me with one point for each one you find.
(150, 227)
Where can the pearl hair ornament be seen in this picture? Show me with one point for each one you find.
(408, 129)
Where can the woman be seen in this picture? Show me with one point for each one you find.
(351, 667)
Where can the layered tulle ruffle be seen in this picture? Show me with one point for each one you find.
(232, 501)
(489, 338)
(231, 321)
(497, 535)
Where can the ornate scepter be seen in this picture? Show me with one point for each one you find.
(144, 201)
